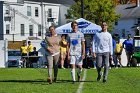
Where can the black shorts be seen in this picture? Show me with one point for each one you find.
(118, 53)
(24, 54)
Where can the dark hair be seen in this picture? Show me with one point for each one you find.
(63, 35)
(129, 35)
(29, 41)
(51, 27)
(34, 48)
(74, 22)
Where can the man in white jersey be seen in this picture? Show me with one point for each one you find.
(102, 49)
(76, 50)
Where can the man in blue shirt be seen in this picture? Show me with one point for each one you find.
(128, 46)
(113, 49)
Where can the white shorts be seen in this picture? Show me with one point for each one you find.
(76, 60)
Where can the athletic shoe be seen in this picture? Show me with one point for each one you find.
(79, 78)
(49, 80)
(54, 80)
(62, 67)
(73, 82)
(104, 80)
(99, 78)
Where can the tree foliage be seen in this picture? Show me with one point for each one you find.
(95, 11)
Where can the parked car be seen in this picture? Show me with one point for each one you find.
(14, 58)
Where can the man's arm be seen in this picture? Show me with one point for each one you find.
(111, 45)
(121, 48)
(68, 51)
(68, 47)
(114, 44)
(93, 46)
(47, 48)
(83, 49)
(123, 44)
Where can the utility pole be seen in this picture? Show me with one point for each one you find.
(82, 8)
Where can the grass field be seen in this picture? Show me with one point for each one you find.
(30, 80)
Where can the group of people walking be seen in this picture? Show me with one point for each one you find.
(118, 48)
(58, 47)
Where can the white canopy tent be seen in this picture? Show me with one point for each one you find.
(84, 26)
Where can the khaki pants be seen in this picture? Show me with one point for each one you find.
(52, 63)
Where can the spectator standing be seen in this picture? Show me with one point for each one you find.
(90, 61)
(114, 46)
(88, 57)
(63, 50)
(33, 59)
(76, 50)
(128, 46)
(52, 53)
(112, 58)
(118, 52)
(30, 48)
(23, 50)
(102, 49)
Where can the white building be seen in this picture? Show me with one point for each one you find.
(129, 21)
(21, 19)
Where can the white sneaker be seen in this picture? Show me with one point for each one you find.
(94, 68)
(116, 67)
(62, 67)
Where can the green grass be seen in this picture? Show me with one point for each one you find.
(30, 80)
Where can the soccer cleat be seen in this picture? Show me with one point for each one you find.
(99, 76)
(79, 78)
(62, 67)
(73, 82)
(54, 80)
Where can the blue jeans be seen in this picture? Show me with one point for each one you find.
(102, 59)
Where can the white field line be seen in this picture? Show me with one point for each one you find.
(79, 90)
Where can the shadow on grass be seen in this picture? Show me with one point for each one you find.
(41, 81)
(24, 81)
(66, 81)
(38, 81)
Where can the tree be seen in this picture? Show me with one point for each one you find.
(95, 11)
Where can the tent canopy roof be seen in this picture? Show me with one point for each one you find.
(84, 26)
